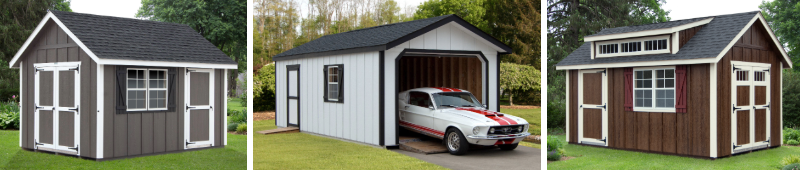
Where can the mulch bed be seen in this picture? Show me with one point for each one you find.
(265, 115)
(234, 132)
(519, 107)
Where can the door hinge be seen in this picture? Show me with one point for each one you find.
(736, 146)
(767, 106)
(604, 72)
(187, 142)
(39, 69)
(604, 140)
(187, 71)
(78, 69)
(37, 107)
(188, 107)
(735, 108)
(603, 106)
(76, 109)
(36, 142)
(76, 148)
(734, 68)
(767, 70)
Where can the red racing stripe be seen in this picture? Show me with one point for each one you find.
(442, 89)
(504, 141)
(421, 128)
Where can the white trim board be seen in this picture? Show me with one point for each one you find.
(641, 52)
(713, 111)
(100, 110)
(567, 127)
(648, 32)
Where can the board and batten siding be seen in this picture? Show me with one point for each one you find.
(450, 36)
(356, 119)
(53, 45)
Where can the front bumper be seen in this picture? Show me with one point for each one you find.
(497, 139)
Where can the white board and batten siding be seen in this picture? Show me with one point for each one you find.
(450, 36)
(357, 118)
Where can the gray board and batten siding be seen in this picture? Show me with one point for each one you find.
(121, 133)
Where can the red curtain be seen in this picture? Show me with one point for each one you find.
(680, 88)
(628, 89)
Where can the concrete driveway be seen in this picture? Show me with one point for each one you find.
(521, 158)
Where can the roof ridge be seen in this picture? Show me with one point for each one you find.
(385, 25)
(115, 17)
(696, 18)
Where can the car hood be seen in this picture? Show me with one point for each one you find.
(483, 117)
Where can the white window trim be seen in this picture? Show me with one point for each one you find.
(329, 83)
(147, 90)
(653, 88)
(642, 52)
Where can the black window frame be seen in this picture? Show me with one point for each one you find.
(340, 75)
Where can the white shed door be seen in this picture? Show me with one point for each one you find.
(56, 121)
(199, 114)
(592, 102)
(750, 95)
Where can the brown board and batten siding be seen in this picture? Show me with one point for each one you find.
(754, 46)
(685, 35)
(452, 72)
(51, 45)
(573, 106)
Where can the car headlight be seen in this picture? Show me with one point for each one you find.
(520, 128)
(476, 130)
(491, 130)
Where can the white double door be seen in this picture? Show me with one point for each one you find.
(750, 96)
(56, 110)
(199, 108)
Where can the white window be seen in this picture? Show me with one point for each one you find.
(631, 47)
(147, 89)
(609, 48)
(333, 83)
(654, 88)
(655, 45)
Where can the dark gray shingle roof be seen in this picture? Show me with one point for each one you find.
(133, 39)
(706, 43)
(645, 27)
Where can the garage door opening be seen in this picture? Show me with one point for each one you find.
(436, 71)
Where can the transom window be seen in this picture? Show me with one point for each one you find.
(655, 45)
(333, 83)
(146, 89)
(631, 47)
(654, 88)
(609, 48)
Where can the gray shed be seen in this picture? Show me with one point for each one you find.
(102, 87)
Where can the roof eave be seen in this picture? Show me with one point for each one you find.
(329, 53)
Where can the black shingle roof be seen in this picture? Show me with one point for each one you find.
(379, 36)
(133, 39)
(645, 27)
(706, 43)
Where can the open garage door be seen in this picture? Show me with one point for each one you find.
(436, 71)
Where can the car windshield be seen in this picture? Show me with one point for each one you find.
(456, 99)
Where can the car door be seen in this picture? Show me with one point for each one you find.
(418, 110)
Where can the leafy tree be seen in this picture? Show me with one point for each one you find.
(473, 11)
(783, 16)
(264, 88)
(568, 21)
(18, 19)
(517, 24)
(791, 98)
(519, 78)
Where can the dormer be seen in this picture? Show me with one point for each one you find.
(661, 38)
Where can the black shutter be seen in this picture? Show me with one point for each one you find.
(171, 91)
(341, 84)
(325, 83)
(121, 74)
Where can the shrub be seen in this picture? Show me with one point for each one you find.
(553, 143)
(792, 142)
(788, 134)
(791, 98)
(791, 167)
(553, 156)
(556, 103)
(264, 89)
(237, 116)
(9, 115)
(242, 128)
(791, 159)
(232, 126)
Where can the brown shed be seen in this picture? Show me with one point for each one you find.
(701, 87)
(104, 87)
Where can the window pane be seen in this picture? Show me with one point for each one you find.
(647, 84)
(131, 74)
(648, 94)
(670, 93)
(639, 75)
(141, 83)
(670, 103)
(660, 83)
(660, 102)
(659, 73)
(648, 74)
(140, 74)
(132, 84)
(670, 73)
(670, 83)
(661, 94)
(647, 103)
(639, 102)
(639, 94)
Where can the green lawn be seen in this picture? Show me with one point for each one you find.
(233, 156)
(534, 117)
(306, 151)
(235, 103)
(587, 157)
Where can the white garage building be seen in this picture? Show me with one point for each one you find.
(344, 85)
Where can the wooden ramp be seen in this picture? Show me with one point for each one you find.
(420, 145)
(280, 130)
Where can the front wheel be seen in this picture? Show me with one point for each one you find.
(455, 142)
(508, 147)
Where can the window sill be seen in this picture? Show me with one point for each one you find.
(664, 110)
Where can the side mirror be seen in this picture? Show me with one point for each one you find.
(484, 106)
(430, 107)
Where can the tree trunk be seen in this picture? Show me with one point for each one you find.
(511, 99)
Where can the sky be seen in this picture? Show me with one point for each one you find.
(685, 9)
(117, 8)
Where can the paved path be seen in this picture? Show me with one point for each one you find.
(521, 158)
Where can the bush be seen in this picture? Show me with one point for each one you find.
(237, 116)
(9, 115)
(556, 103)
(242, 128)
(555, 145)
(791, 167)
(791, 98)
(264, 89)
(792, 142)
(553, 156)
(791, 159)
(232, 126)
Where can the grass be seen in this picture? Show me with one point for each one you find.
(236, 104)
(306, 151)
(588, 157)
(534, 118)
(233, 156)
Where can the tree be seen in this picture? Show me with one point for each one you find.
(783, 16)
(518, 77)
(472, 11)
(517, 24)
(18, 19)
(568, 21)
(275, 23)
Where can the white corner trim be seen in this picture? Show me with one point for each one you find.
(100, 110)
(166, 64)
(638, 64)
(591, 50)
(676, 39)
(567, 89)
(713, 111)
(22, 112)
(39, 28)
(225, 107)
(648, 32)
